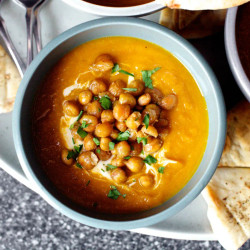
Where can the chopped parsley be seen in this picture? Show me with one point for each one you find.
(73, 140)
(72, 154)
(96, 98)
(81, 132)
(72, 126)
(150, 160)
(161, 170)
(96, 141)
(84, 124)
(144, 140)
(123, 136)
(130, 89)
(102, 170)
(127, 157)
(113, 193)
(146, 77)
(78, 148)
(117, 68)
(124, 196)
(79, 165)
(111, 145)
(142, 152)
(79, 116)
(87, 183)
(146, 120)
(110, 167)
(98, 151)
(105, 102)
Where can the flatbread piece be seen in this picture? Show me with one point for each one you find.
(236, 152)
(201, 4)
(9, 82)
(228, 199)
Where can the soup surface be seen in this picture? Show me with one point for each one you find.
(148, 142)
(118, 3)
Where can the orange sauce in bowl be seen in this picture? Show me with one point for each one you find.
(184, 143)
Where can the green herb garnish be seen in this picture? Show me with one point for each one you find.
(87, 183)
(98, 151)
(79, 116)
(102, 170)
(124, 196)
(146, 77)
(146, 120)
(84, 124)
(127, 157)
(79, 165)
(130, 89)
(81, 132)
(78, 148)
(96, 98)
(123, 136)
(161, 170)
(111, 145)
(72, 154)
(113, 193)
(110, 167)
(117, 68)
(72, 126)
(73, 140)
(150, 160)
(105, 102)
(142, 152)
(144, 140)
(96, 141)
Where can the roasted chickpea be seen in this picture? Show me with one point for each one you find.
(103, 155)
(71, 108)
(121, 126)
(146, 181)
(141, 134)
(153, 111)
(64, 158)
(104, 143)
(168, 102)
(118, 162)
(116, 87)
(132, 134)
(88, 143)
(88, 160)
(135, 164)
(151, 130)
(114, 134)
(107, 116)
(121, 112)
(74, 133)
(126, 98)
(94, 108)
(153, 145)
(119, 175)
(91, 122)
(97, 86)
(85, 97)
(144, 99)
(122, 149)
(107, 93)
(156, 95)
(103, 129)
(103, 63)
(134, 120)
(164, 114)
(137, 84)
(136, 148)
(161, 124)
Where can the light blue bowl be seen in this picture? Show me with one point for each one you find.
(132, 27)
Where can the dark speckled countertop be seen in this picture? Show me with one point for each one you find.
(28, 222)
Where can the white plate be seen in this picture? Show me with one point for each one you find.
(56, 16)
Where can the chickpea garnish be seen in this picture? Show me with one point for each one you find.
(122, 149)
(103, 62)
(88, 143)
(146, 181)
(126, 98)
(116, 87)
(134, 120)
(107, 116)
(97, 86)
(94, 108)
(121, 126)
(151, 130)
(119, 175)
(87, 160)
(144, 99)
(168, 102)
(71, 108)
(135, 164)
(85, 97)
(103, 129)
(121, 112)
(104, 143)
(65, 159)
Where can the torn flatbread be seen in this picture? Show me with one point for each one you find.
(9, 82)
(228, 199)
(236, 152)
(201, 4)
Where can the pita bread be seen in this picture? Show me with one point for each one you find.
(237, 148)
(193, 24)
(9, 82)
(201, 4)
(228, 199)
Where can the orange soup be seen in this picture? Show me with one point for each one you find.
(120, 125)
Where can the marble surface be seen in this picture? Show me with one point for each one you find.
(28, 222)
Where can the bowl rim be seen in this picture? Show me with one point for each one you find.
(138, 10)
(233, 55)
(99, 223)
